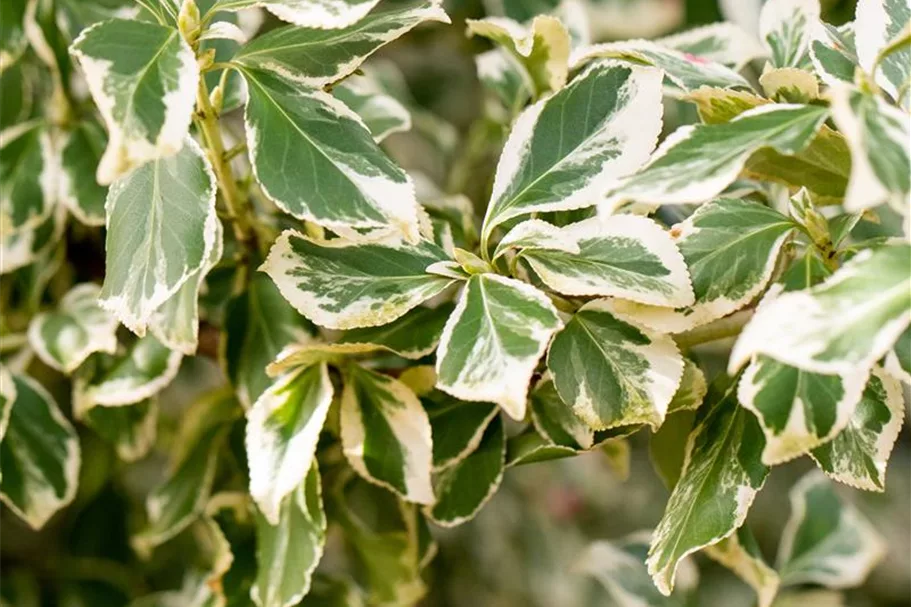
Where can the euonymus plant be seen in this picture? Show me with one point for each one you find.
(386, 351)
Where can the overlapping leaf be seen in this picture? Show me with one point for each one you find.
(320, 14)
(382, 113)
(413, 336)
(130, 429)
(740, 554)
(28, 174)
(142, 372)
(456, 427)
(785, 27)
(80, 153)
(833, 52)
(878, 23)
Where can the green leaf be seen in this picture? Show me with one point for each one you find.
(858, 455)
(64, 338)
(613, 373)
(314, 56)
(730, 247)
(621, 256)
(386, 434)
(161, 229)
(696, 163)
(464, 488)
(143, 78)
(723, 43)
(28, 177)
(789, 85)
(878, 23)
(534, 234)
(322, 14)
(722, 472)
(283, 427)
(412, 336)
(142, 372)
(381, 113)
(492, 342)
(833, 52)
(182, 496)
(542, 46)
(898, 362)
(347, 188)
(683, 72)
(80, 153)
(556, 421)
(288, 552)
(843, 325)
(7, 398)
(785, 26)
(12, 35)
(740, 554)
(130, 429)
(532, 448)
(692, 390)
(259, 323)
(619, 566)
(501, 73)
(877, 134)
(456, 427)
(826, 541)
(24, 247)
(344, 285)
(16, 92)
(667, 447)
(40, 453)
(566, 150)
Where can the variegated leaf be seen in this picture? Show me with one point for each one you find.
(532, 448)
(843, 325)
(386, 434)
(288, 551)
(493, 340)
(465, 487)
(312, 352)
(317, 14)
(723, 43)
(789, 85)
(621, 256)
(456, 426)
(350, 188)
(283, 427)
(259, 324)
(898, 362)
(740, 554)
(826, 541)
(692, 390)
(40, 453)
(28, 178)
(313, 56)
(858, 455)
(534, 234)
(161, 229)
(542, 47)
(565, 151)
(785, 26)
(878, 136)
(833, 52)
(130, 429)
(722, 472)
(412, 336)
(697, 162)
(501, 73)
(7, 398)
(382, 113)
(344, 285)
(878, 23)
(730, 247)
(64, 338)
(555, 420)
(80, 153)
(612, 373)
(141, 373)
(143, 77)
(25, 247)
(683, 71)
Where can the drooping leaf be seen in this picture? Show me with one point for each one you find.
(465, 487)
(532, 448)
(493, 340)
(858, 455)
(40, 453)
(143, 77)
(826, 541)
(740, 554)
(142, 372)
(288, 551)
(542, 46)
(565, 151)
(730, 247)
(697, 162)
(315, 56)
(833, 52)
(722, 472)
(413, 336)
(317, 161)
(130, 429)
(161, 229)
(878, 23)
(64, 338)
(622, 256)
(80, 153)
(613, 373)
(724, 43)
(456, 426)
(344, 285)
(843, 325)
(382, 113)
(878, 135)
(320, 14)
(785, 26)
(259, 323)
(692, 390)
(283, 427)
(386, 434)
(28, 175)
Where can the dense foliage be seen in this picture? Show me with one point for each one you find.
(326, 359)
